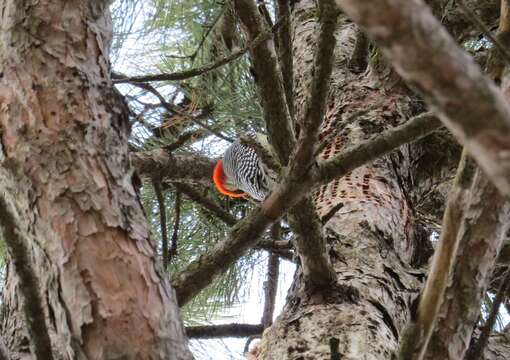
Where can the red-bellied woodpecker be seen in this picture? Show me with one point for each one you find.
(242, 173)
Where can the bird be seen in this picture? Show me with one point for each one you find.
(241, 173)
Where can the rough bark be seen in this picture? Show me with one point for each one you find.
(64, 145)
(429, 59)
(367, 221)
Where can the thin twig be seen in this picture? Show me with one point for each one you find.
(162, 221)
(206, 203)
(477, 350)
(177, 221)
(186, 74)
(174, 110)
(184, 138)
(16, 242)
(271, 284)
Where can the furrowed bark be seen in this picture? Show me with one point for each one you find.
(426, 56)
(64, 141)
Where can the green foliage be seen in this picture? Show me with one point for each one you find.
(198, 231)
(179, 35)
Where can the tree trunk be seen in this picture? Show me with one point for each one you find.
(66, 172)
(369, 215)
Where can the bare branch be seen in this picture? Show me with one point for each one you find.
(310, 242)
(224, 330)
(414, 129)
(160, 165)
(285, 53)
(311, 245)
(426, 56)
(184, 138)
(271, 284)
(177, 221)
(16, 242)
(162, 221)
(269, 81)
(418, 333)
(486, 217)
(291, 189)
(206, 203)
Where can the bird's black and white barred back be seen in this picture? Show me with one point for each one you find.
(244, 170)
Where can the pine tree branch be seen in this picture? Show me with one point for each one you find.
(19, 254)
(162, 222)
(206, 203)
(285, 53)
(271, 284)
(184, 138)
(418, 333)
(485, 217)
(310, 241)
(160, 165)
(177, 221)
(186, 74)
(427, 57)
(175, 110)
(341, 164)
(269, 81)
(245, 233)
(224, 330)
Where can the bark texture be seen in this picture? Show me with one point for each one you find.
(65, 169)
(366, 217)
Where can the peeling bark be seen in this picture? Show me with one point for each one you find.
(64, 140)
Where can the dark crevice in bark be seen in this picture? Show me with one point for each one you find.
(386, 318)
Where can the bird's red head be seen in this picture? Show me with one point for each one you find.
(219, 179)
